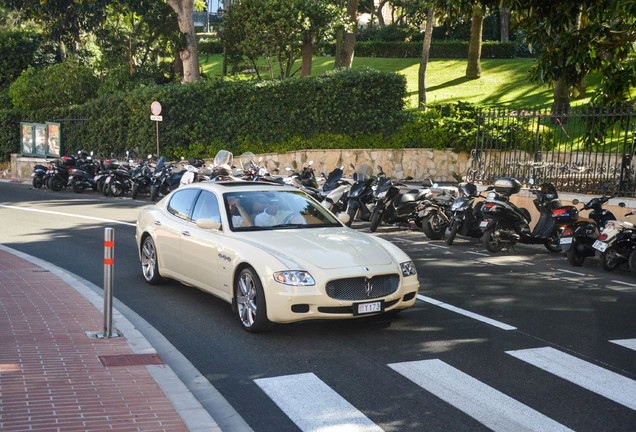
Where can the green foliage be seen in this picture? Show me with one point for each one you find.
(18, 51)
(439, 49)
(59, 85)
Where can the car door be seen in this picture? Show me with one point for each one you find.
(200, 248)
(169, 230)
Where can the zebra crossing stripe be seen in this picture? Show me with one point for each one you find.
(627, 343)
(313, 405)
(611, 385)
(488, 406)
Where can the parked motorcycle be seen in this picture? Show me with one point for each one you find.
(142, 179)
(617, 243)
(38, 175)
(335, 190)
(119, 180)
(82, 176)
(506, 224)
(164, 179)
(435, 210)
(396, 203)
(56, 177)
(578, 234)
(466, 215)
(360, 199)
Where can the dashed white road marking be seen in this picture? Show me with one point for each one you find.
(627, 343)
(466, 313)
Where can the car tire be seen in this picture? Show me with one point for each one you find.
(249, 298)
(150, 261)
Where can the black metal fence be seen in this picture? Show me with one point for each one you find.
(584, 151)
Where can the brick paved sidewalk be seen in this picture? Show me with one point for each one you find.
(52, 373)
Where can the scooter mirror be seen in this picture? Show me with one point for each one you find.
(149, 156)
(352, 166)
(427, 183)
(311, 162)
(288, 169)
(408, 178)
(531, 181)
(575, 201)
(260, 159)
(621, 204)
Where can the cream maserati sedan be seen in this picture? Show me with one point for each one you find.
(273, 253)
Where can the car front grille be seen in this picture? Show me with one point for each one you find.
(362, 288)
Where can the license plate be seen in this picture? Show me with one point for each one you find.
(366, 308)
(483, 224)
(108, 179)
(599, 245)
(565, 240)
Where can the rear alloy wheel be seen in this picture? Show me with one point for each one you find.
(250, 301)
(150, 262)
(609, 259)
(434, 226)
(553, 244)
(37, 182)
(491, 241)
(54, 183)
(116, 188)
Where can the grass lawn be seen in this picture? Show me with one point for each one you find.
(503, 82)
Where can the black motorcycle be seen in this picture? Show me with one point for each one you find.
(82, 176)
(142, 179)
(164, 179)
(56, 177)
(579, 234)
(396, 203)
(435, 210)
(467, 216)
(119, 179)
(38, 175)
(506, 224)
(360, 198)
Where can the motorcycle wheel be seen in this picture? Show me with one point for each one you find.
(376, 218)
(77, 188)
(454, 227)
(434, 227)
(154, 194)
(134, 192)
(106, 189)
(37, 182)
(100, 185)
(116, 189)
(54, 184)
(609, 259)
(632, 261)
(553, 244)
(490, 241)
(574, 258)
(352, 214)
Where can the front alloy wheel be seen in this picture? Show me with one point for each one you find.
(149, 262)
(250, 301)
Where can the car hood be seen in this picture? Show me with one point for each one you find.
(325, 248)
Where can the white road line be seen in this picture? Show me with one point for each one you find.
(623, 283)
(466, 313)
(478, 253)
(68, 215)
(589, 376)
(627, 343)
(485, 404)
(313, 405)
(570, 271)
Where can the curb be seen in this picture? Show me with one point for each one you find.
(186, 388)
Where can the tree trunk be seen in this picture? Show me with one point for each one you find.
(308, 51)
(473, 70)
(504, 15)
(426, 48)
(348, 45)
(190, 54)
(561, 104)
(339, 37)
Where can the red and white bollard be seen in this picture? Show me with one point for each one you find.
(109, 259)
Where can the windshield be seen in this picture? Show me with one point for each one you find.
(160, 163)
(365, 172)
(223, 157)
(247, 160)
(271, 210)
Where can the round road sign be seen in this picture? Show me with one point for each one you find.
(155, 107)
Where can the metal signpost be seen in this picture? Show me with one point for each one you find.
(155, 108)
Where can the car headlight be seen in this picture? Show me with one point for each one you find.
(408, 268)
(294, 277)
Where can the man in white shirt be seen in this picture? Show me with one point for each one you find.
(273, 215)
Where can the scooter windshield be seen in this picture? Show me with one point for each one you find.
(223, 157)
(160, 164)
(333, 177)
(365, 172)
(247, 160)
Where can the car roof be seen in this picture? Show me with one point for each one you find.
(241, 186)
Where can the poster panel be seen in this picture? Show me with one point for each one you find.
(40, 139)
(27, 137)
(53, 137)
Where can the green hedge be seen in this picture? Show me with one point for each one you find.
(224, 113)
(439, 49)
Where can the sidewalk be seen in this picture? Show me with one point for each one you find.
(55, 375)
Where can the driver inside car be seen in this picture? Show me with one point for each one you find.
(274, 214)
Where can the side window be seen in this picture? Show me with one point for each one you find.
(207, 207)
(182, 202)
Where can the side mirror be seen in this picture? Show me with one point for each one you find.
(427, 183)
(149, 156)
(531, 181)
(621, 204)
(380, 168)
(288, 169)
(208, 224)
(260, 159)
(408, 178)
(311, 162)
(575, 201)
(343, 217)
(352, 166)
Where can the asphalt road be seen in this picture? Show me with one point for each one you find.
(508, 341)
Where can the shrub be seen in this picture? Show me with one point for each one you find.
(59, 85)
(18, 51)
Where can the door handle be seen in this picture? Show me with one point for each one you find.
(157, 223)
(185, 233)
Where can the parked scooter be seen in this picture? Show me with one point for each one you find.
(617, 243)
(360, 199)
(578, 234)
(467, 216)
(82, 176)
(334, 191)
(396, 203)
(506, 224)
(142, 179)
(119, 180)
(38, 175)
(435, 210)
(56, 177)
(164, 180)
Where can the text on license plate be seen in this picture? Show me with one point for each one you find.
(365, 308)
(599, 245)
(483, 224)
(566, 240)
